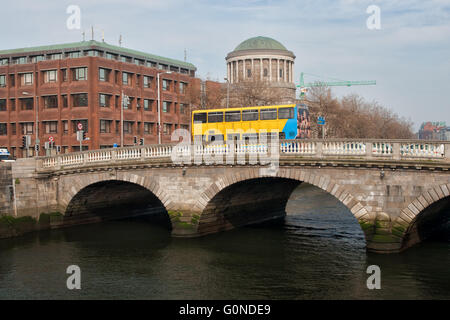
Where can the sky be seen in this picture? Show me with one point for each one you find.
(408, 56)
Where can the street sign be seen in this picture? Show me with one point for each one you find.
(79, 135)
(80, 126)
(51, 139)
(321, 121)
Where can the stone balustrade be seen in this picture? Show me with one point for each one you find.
(399, 150)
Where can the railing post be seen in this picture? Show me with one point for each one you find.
(319, 149)
(447, 152)
(143, 153)
(396, 150)
(369, 151)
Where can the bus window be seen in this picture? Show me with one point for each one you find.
(268, 114)
(250, 115)
(215, 117)
(216, 137)
(233, 137)
(231, 116)
(200, 117)
(286, 113)
(250, 137)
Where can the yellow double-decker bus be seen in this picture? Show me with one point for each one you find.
(290, 121)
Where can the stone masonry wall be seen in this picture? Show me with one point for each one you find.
(6, 190)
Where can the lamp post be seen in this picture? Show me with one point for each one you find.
(37, 141)
(159, 104)
(228, 91)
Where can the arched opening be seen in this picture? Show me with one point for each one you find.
(432, 223)
(292, 205)
(114, 199)
(321, 219)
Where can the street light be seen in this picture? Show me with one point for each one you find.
(159, 105)
(228, 91)
(37, 119)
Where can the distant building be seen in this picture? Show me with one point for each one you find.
(59, 87)
(434, 131)
(263, 59)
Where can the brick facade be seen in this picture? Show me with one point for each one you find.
(58, 86)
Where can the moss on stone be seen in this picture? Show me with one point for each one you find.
(381, 238)
(365, 225)
(47, 218)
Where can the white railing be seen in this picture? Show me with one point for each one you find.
(346, 149)
(422, 150)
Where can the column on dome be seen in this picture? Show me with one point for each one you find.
(270, 69)
(261, 67)
(278, 70)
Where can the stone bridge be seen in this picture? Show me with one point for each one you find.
(397, 190)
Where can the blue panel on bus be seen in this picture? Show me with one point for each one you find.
(290, 128)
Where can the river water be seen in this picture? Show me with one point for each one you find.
(317, 252)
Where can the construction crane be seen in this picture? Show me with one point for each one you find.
(343, 83)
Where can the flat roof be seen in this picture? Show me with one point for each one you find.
(93, 44)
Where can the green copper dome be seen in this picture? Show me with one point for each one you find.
(260, 43)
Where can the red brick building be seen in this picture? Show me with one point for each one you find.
(57, 87)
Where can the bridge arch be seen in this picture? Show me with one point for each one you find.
(418, 219)
(293, 177)
(89, 192)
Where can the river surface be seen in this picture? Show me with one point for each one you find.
(316, 253)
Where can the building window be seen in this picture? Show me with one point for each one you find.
(148, 128)
(27, 127)
(166, 84)
(12, 103)
(2, 104)
(51, 102)
(74, 54)
(111, 56)
(93, 53)
(26, 79)
(20, 60)
(64, 74)
(105, 126)
(50, 76)
(51, 126)
(127, 127)
(4, 62)
(148, 104)
(35, 59)
(126, 78)
(104, 100)
(64, 101)
(166, 106)
(265, 72)
(26, 104)
(13, 129)
(55, 56)
(281, 73)
(84, 123)
(3, 129)
(80, 100)
(79, 74)
(138, 62)
(103, 74)
(249, 73)
(167, 128)
(147, 82)
(65, 126)
(2, 80)
(12, 80)
(183, 86)
(183, 108)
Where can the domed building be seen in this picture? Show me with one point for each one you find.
(263, 59)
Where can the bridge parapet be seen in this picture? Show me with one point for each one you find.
(390, 150)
